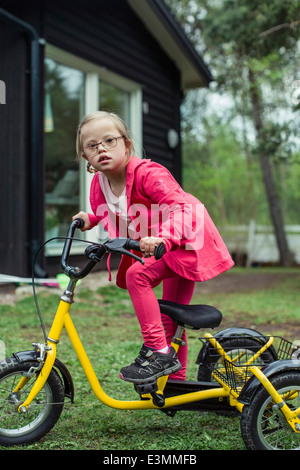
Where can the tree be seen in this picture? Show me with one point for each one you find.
(250, 44)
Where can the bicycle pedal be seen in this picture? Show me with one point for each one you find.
(158, 399)
(143, 389)
(150, 389)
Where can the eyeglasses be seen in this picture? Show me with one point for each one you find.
(107, 144)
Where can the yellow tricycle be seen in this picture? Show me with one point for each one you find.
(240, 371)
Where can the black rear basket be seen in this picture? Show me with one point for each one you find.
(237, 371)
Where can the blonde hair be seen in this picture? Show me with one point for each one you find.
(118, 123)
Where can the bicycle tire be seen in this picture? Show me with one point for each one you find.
(263, 426)
(43, 412)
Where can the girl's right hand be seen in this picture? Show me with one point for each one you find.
(84, 216)
(148, 245)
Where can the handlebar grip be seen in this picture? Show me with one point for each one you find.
(80, 222)
(159, 251)
(135, 245)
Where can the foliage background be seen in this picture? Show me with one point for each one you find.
(221, 145)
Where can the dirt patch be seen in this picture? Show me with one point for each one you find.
(10, 293)
(227, 282)
(245, 282)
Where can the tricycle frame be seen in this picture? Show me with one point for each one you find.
(63, 320)
(155, 396)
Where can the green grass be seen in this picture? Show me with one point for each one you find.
(109, 331)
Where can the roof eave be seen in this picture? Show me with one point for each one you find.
(163, 26)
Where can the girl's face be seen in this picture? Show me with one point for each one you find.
(108, 161)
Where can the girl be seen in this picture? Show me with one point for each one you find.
(139, 198)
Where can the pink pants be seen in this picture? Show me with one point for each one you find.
(158, 329)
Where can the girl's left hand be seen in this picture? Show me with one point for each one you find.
(148, 245)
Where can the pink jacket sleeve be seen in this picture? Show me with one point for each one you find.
(94, 220)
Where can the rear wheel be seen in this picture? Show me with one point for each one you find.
(20, 428)
(263, 426)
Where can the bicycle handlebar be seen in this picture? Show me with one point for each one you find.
(96, 252)
(71, 271)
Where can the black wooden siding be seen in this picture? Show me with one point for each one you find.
(104, 32)
(14, 145)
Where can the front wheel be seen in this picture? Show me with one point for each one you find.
(43, 412)
(263, 426)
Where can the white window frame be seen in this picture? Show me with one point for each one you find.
(94, 73)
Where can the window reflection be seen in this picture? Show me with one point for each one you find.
(115, 100)
(64, 87)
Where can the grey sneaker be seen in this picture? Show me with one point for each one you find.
(149, 365)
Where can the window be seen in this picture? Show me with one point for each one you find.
(71, 85)
(114, 99)
(63, 109)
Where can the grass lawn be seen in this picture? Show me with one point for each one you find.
(109, 331)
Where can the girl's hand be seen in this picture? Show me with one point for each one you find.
(84, 216)
(148, 244)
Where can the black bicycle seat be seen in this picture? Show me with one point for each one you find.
(191, 316)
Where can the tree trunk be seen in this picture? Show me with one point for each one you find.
(268, 177)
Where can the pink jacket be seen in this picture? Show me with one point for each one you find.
(158, 206)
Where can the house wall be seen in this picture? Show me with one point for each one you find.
(14, 144)
(115, 38)
(108, 34)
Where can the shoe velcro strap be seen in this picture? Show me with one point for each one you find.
(141, 361)
(146, 352)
